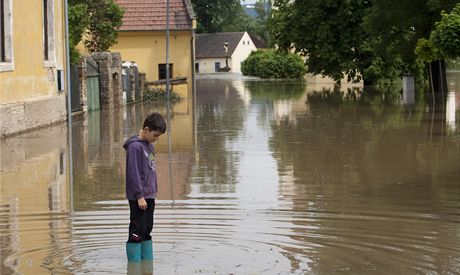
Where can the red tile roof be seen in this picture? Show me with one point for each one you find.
(150, 15)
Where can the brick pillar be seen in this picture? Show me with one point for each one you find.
(117, 80)
(104, 59)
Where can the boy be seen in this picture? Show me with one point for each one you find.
(141, 187)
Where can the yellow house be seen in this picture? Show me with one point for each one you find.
(32, 62)
(142, 39)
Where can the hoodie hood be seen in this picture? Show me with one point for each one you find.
(132, 139)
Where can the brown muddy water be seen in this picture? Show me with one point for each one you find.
(257, 177)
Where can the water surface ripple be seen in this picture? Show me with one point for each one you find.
(264, 177)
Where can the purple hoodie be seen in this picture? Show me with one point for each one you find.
(141, 174)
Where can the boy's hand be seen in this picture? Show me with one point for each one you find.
(142, 203)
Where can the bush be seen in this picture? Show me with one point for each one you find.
(159, 96)
(273, 64)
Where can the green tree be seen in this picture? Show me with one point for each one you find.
(372, 39)
(329, 33)
(446, 34)
(239, 22)
(105, 17)
(217, 15)
(397, 26)
(443, 43)
(263, 10)
(78, 23)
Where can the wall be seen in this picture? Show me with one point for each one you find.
(242, 52)
(148, 49)
(207, 64)
(28, 93)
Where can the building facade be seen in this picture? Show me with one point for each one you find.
(142, 39)
(32, 62)
(214, 51)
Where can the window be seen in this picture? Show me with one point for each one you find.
(6, 49)
(162, 71)
(48, 33)
(197, 67)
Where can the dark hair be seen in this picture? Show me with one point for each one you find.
(155, 122)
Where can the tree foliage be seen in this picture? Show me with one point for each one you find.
(216, 15)
(97, 21)
(372, 39)
(78, 22)
(329, 33)
(446, 34)
(272, 64)
(263, 10)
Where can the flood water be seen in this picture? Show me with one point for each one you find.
(256, 177)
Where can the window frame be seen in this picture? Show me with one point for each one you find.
(49, 57)
(6, 60)
(163, 70)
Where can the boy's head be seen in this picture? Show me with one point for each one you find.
(154, 126)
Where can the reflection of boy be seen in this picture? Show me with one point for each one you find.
(141, 186)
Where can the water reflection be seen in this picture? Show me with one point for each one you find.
(274, 177)
(34, 202)
(450, 111)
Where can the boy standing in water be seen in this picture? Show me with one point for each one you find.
(141, 187)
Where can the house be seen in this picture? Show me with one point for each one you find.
(142, 38)
(32, 60)
(214, 51)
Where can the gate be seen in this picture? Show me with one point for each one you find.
(92, 85)
(75, 88)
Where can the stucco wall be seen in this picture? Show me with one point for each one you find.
(28, 92)
(30, 77)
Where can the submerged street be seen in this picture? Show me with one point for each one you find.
(257, 177)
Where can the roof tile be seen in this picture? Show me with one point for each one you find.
(151, 15)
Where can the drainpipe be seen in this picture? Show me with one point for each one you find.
(69, 102)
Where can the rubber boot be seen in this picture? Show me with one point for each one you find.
(147, 251)
(135, 268)
(147, 267)
(133, 251)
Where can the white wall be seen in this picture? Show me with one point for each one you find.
(207, 65)
(242, 51)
